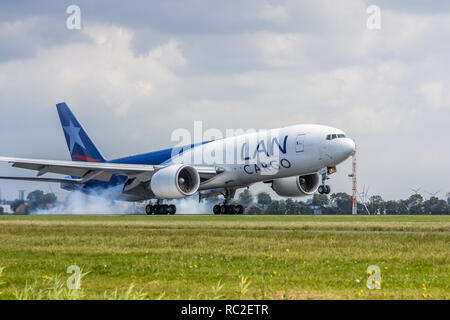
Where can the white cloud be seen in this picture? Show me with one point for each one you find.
(274, 13)
(104, 71)
(433, 92)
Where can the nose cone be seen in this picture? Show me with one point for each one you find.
(349, 146)
(343, 149)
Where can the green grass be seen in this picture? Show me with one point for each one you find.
(231, 257)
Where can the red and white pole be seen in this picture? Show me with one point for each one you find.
(354, 186)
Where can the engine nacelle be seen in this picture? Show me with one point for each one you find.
(296, 186)
(175, 181)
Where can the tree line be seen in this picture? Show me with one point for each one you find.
(262, 203)
(340, 203)
(35, 201)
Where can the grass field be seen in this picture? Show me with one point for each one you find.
(225, 257)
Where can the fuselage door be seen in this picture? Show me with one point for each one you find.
(300, 143)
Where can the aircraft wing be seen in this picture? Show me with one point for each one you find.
(39, 179)
(90, 170)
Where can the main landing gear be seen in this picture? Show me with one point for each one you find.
(226, 208)
(160, 209)
(324, 188)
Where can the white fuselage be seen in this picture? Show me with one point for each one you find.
(268, 155)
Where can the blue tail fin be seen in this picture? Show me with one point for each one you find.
(80, 146)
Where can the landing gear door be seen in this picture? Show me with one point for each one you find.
(300, 143)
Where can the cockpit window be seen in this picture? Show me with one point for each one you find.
(335, 136)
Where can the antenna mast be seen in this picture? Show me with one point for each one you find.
(354, 186)
(354, 189)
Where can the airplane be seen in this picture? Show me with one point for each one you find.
(296, 161)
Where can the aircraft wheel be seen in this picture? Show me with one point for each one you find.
(172, 209)
(149, 209)
(216, 209)
(239, 209)
(327, 189)
(223, 209)
(320, 189)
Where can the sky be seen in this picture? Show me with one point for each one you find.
(137, 70)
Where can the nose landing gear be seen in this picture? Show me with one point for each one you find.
(324, 188)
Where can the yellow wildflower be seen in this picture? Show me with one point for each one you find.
(287, 250)
(424, 295)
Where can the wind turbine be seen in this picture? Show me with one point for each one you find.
(365, 193)
(433, 194)
(416, 191)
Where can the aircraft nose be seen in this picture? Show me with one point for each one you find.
(350, 146)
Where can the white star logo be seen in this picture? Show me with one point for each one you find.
(74, 136)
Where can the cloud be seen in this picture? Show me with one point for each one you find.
(433, 93)
(274, 13)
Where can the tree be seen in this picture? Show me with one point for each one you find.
(37, 200)
(376, 205)
(292, 207)
(50, 199)
(304, 208)
(2, 210)
(264, 199)
(276, 207)
(320, 200)
(246, 198)
(342, 201)
(415, 204)
(392, 207)
(435, 206)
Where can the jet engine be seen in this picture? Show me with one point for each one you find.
(175, 181)
(296, 186)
